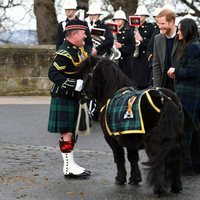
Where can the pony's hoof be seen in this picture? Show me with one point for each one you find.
(176, 189)
(120, 182)
(134, 182)
(160, 192)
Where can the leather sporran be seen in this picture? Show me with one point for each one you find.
(83, 121)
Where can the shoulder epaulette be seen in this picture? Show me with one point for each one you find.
(66, 54)
(63, 53)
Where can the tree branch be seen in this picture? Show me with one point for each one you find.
(192, 6)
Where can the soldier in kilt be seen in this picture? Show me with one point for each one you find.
(187, 86)
(65, 94)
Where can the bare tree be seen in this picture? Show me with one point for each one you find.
(192, 5)
(46, 18)
(83, 4)
(46, 21)
(129, 6)
(3, 7)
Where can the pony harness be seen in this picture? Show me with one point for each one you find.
(123, 112)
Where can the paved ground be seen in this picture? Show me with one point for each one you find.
(31, 165)
(23, 100)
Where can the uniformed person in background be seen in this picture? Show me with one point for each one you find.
(65, 94)
(94, 14)
(70, 7)
(140, 66)
(151, 42)
(102, 48)
(125, 42)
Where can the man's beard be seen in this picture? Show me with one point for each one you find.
(167, 31)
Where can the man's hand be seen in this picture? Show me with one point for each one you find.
(118, 45)
(171, 72)
(94, 52)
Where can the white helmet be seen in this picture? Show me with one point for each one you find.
(120, 14)
(70, 4)
(94, 9)
(142, 11)
(157, 11)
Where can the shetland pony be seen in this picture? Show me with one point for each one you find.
(162, 124)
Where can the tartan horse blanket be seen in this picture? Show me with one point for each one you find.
(123, 112)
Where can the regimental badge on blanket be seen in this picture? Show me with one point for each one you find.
(129, 111)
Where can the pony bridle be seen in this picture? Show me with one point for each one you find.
(89, 76)
(91, 72)
(163, 96)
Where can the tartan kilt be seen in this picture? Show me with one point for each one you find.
(63, 115)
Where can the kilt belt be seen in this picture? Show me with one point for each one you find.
(56, 91)
(123, 112)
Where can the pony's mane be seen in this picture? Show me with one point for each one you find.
(108, 78)
(112, 75)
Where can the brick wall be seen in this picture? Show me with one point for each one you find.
(24, 69)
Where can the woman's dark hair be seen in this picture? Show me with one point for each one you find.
(189, 29)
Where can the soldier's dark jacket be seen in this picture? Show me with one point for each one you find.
(125, 37)
(60, 36)
(146, 30)
(108, 42)
(141, 70)
(63, 72)
(151, 41)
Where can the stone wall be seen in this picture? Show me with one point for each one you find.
(24, 69)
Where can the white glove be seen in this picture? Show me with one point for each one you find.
(79, 85)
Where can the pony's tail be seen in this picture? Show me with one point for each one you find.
(164, 145)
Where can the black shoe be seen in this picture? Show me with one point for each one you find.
(83, 175)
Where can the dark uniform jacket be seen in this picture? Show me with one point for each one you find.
(125, 37)
(146, 31)
(108, 42)
(60, 36)
(141, 70)
(151, 42)
(63, 72)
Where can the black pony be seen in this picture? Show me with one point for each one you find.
(159, 130)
